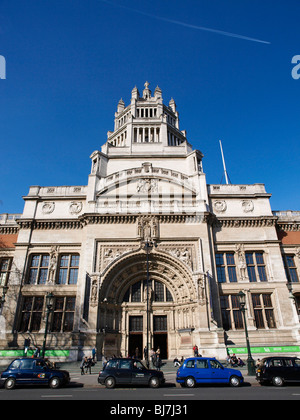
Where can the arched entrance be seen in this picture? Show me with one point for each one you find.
(123, 303)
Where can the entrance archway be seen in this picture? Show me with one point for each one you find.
(123, 298)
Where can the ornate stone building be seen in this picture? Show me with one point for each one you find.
(147, 235)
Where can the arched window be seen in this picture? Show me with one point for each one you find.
(160, 292)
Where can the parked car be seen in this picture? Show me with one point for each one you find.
(29, 371)
(129, 372)
(278, 370)
(206, 370)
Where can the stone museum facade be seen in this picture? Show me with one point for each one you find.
(147, 251)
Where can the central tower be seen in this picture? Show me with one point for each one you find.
(147, 120)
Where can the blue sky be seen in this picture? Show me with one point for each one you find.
(68, 62)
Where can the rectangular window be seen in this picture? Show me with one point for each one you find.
(290, 268)
(158, 291)
(68, 269)
(63, 314)
(5, 266)
(256, 266)
(135, 323)
(226, 269)
(31, 315)
(38, 269)
(263, 311)
(136, 292)
(231, 313)
(160, 323)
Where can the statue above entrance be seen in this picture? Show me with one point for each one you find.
(147, 228)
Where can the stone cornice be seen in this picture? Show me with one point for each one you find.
(206, 217)
(289, 226)
(261, 221)
(9, 230)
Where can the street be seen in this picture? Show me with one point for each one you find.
(167, 397)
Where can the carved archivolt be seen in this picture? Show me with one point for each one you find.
(132, 267)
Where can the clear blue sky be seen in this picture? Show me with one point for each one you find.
(68, 62)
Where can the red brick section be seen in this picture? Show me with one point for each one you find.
(8, 241)
(289, 238)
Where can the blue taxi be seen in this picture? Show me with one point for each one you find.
(206, 370)
(29, 371)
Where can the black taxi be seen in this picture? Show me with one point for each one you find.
(278, 370)
(125, 371)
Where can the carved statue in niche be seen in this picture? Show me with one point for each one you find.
(150, 293)
(147, 228)
(53, 264)
(94, 291)
(242, 261)
(201, 289)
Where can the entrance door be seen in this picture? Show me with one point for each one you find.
(135, 344)
(160, 335)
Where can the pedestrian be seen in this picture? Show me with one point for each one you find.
(145, 353)
(137, 353)
(195, 348)
(158, 359)
(94, 351)
(82, 365)
(240, 362)
(37, 352)
(104, 361)
(88, 365)
(176, 362)
(26, 345)
(152, 357)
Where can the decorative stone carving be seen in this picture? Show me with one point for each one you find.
(94, 290)
(52, 264)
(242, 261)
(75, 207)
(112, 253)
(48, 207)
(247, 206)
(147, 185)
(201, 289)
(182, 253)
(219, 206)
(147, 228)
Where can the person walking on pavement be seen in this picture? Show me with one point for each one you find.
(26, 345)
(82, 365)
(158, 359)
(94, 351)
(88, 365)
(195, 348)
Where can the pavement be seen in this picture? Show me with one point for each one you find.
(91, 379)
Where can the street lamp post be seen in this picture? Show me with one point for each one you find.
(148, 246)
(49, 304)
(250, 361)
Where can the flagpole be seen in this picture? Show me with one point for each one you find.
(225, 171)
